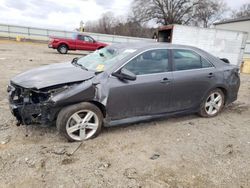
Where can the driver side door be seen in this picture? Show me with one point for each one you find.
(149, 94)
(90, 43)
(81, 43)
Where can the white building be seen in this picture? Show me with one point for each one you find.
(238, 24)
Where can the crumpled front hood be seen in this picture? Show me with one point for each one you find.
(51, 75)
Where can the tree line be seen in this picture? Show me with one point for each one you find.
(144, 15)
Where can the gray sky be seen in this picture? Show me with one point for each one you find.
(66, 14)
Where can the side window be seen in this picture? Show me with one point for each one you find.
(205, 63)
(80, 37)
(88, 39)
(153, 61)
(186, 60)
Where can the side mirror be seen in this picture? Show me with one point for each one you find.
(225, 60)
(74, 60)
(124, 74)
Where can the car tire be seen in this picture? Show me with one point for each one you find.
(63, 49)
(213, 103)
(80, 122)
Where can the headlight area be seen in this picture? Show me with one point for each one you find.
(33, 106)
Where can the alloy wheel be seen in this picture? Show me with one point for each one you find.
(82, 125)
(213, 103)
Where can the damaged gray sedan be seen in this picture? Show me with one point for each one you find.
(123, 83)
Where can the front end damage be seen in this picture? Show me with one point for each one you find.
(33, 106)
(30, 105)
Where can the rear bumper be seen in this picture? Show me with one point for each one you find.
(232, 93)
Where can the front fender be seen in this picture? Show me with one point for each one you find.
(82, 92)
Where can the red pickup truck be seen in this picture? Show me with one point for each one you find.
(78, 42)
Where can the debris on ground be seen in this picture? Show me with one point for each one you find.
(130, 173)
(191, 123)
(42, 163)
(73, 148)
(229, 149)
(104, 165)
(30, 162)
(59, 151)
(5, 140)
(67, 161)
(154, 156)
(4, 126)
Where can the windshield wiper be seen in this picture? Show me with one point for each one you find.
(98, 72)
(74, 62)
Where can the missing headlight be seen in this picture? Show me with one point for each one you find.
(37, 97)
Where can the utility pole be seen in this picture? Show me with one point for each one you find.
(81, 26)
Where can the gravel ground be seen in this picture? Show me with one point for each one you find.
(186, 151)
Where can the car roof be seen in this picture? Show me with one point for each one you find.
(142, 46)
(147, 45)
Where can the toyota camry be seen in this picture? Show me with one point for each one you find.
(123, 83)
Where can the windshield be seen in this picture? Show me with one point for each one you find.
(104, 58)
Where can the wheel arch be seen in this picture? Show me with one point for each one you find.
(63, 43)
(225, 92)
(96, 103)
(100, 106)
(223, 89)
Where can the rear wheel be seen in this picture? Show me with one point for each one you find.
(80, 122)
(213, 103)
(62, 49)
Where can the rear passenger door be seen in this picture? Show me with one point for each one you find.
(193, 77)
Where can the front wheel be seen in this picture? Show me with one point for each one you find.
(80, 122)
(213, 104)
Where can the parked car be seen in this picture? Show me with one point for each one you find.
(123, 83)
(77, 42)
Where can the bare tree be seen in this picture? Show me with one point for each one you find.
(109, 24)
(103, 25)
(165, 11)
(209, 11)
(244, 11)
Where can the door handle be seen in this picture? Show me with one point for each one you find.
(165, 80)
(210, 75)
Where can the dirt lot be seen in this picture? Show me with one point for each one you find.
(180, 152)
